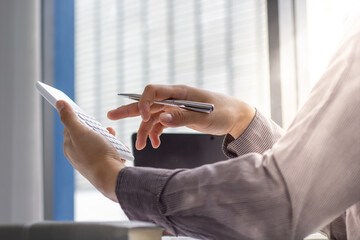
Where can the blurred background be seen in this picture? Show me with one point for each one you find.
(266, 52)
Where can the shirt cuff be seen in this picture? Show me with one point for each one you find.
(138, 190)
(259, 136)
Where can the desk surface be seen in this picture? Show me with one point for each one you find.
(315, 236)
(177, 238)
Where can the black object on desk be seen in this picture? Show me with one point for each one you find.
(180, 150)
(48, 230)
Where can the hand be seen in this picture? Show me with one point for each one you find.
(231, 115)
(89, 152)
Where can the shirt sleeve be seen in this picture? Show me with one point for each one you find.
(216, 201)
(336, 229)
(259, 136)
(309, 177)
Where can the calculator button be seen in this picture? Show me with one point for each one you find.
(97, 127)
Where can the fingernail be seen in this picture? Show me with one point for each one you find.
(138, 146)
(59, 106)
(166, 117)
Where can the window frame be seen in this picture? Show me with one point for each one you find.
(58, 71)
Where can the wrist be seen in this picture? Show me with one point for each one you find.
(242, 120)
(106, 175)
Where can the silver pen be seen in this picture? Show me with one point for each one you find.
(188, 105)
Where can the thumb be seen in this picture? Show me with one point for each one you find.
(178, 118)
(68, 116)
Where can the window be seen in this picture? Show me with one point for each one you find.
(123, 45)
(326, 22)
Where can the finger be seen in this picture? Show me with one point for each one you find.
(179, 117)
(68, 117)
(155, 133)
(159, 92)
(130, 110)
(144, 130)
(111, 131)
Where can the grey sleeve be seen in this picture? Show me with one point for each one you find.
(259, 136)
(216, 201)
(336, 230)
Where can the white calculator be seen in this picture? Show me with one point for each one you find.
(52, 95)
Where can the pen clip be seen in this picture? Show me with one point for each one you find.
(203, 110)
